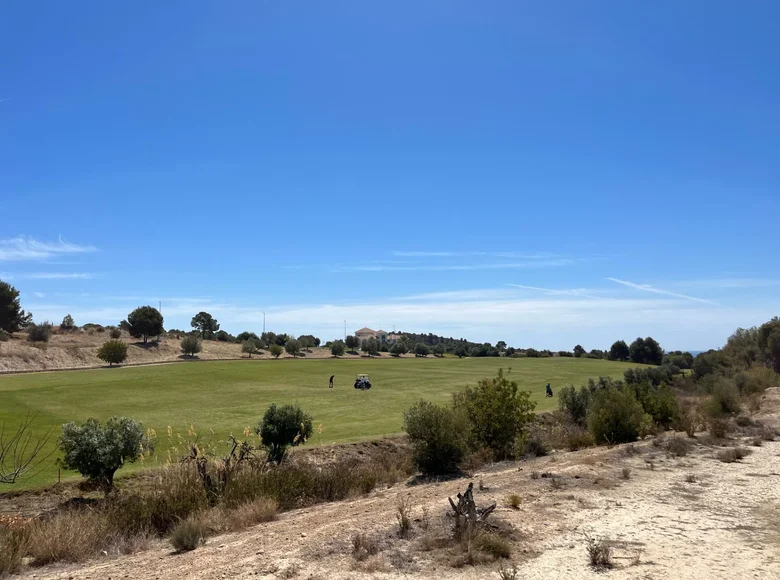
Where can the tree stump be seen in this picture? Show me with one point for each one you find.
(467, 515)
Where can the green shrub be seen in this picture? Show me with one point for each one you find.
(615, 416)
(337, 348)
(190, 345)
(113, 352)
(39, 332)
(438, 436)
(249, 347)
(283, 427)
(498, 413)
(293, 347)
(658, 402)
(96, 451)
(724, 400)
(421, 349)
(574, 402)
(67, 323)
(189, 534)
(275, 350)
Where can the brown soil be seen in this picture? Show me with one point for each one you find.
(78, 350)
(724, 525)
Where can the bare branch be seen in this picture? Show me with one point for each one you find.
(22, 451)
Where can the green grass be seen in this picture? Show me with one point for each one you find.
(226, 397)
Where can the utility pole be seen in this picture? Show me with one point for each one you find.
(345, 330)
(263, 322)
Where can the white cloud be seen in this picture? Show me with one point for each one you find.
(724, 283)
(39, 294)
(648, 288)
(552, 292)
(26, 248)
(507, 254)
(455, 267)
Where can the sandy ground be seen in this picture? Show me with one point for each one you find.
(79, 351)
(725, 525)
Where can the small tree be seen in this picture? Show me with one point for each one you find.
(67, 323)
(578, 351)
(249, 347)
(12, 317)
(498, 412)
(275, 350)
(501, 346)
(97, 451)
(190, 345)
(370, 347)
(308, 341)
(619, 351)
(204, 323)
(421, 349)
(39, 332)
(438, 436)
(352, 342)
(145, 321)
(337, 348)
(292, 347)
(438, 350)
(113, 352)
(283, 427)
(246, 335)
(398, 349)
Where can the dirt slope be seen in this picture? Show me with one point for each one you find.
(725, 525)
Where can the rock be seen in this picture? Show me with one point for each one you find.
(303, 534)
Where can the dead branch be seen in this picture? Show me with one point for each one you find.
(22, 450)
(467, 515)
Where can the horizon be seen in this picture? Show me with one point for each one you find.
(542, 175)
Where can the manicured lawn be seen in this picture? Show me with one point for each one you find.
(227, 397)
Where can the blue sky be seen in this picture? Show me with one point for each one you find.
(544, 173)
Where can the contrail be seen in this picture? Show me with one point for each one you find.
(648, 288)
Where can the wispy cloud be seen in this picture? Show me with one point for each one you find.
(39, 294)
(553, 292)
(48, 276)
(648, 288)
(508, 254)
(453, 267)
(26, 248)
(726, 283)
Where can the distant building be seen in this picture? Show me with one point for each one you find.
(381, 335)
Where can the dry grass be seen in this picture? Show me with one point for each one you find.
(690, 478)
(70, 536)
(252, 513)
(189, 534)
(492, 544)
(599, 552)
(13, 547)
(513, 500)
(677, 446)
(508, 572)
(404, 516)
(626, 473)
(732, 454)
(363, 547)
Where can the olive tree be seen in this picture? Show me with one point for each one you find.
(337, 348)
(190, 345)
(293, 347)
(275, 350)
(283, 427)
(249, 347)
(97, 451)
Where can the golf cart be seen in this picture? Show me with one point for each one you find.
(362, 382)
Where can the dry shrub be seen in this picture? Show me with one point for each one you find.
(403, 516)
(70, 536)
(508, 572)
(492, 544)
(556, 482)
(577, 438)
(534, 475)
(757, 442)
(470, 557)
(189, 534)
(435, 541)
(688, 418)
(690, 478)
(732, 454)
(513, 500)
(599, 552)
(719, 427)
(677, 446)
(477, 459)
(626, 473)
(13, 547)
(252, 513)
(364, 546)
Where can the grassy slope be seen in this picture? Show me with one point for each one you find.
(229, 396)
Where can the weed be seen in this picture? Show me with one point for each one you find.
(732, 454)
(481, 485)
(719, 427)
(403, 516)
(513, 500)
(534, 475)
(253, 512)
(626, 473)
(677, 446)
(690, 478)
(13, 547)
(189, 534)
(599, 552)
(556, 482)
(757, 441)
(636, 557)
(363, 546)
(425, 519)
(631, 449)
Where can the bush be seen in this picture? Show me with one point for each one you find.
(599, 552)
(96, 451)
(67, 323)
(115, 333)
(39, 332)
(498, 413)
(283, 427)
(492, 544)
(615, 416)
(574, 403)
(438, 350)
(4, 336)
(732, 454)
(246, 335)
(724, 400)
(421, 349)
(756, 380)
(364, 546)
(438, 436)
(249, 347)
(293, 347)
(190, 345)
(275, 350)
(113, 352)
(338, 348)
(189, 534)
(660, 403)
(398, 348)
